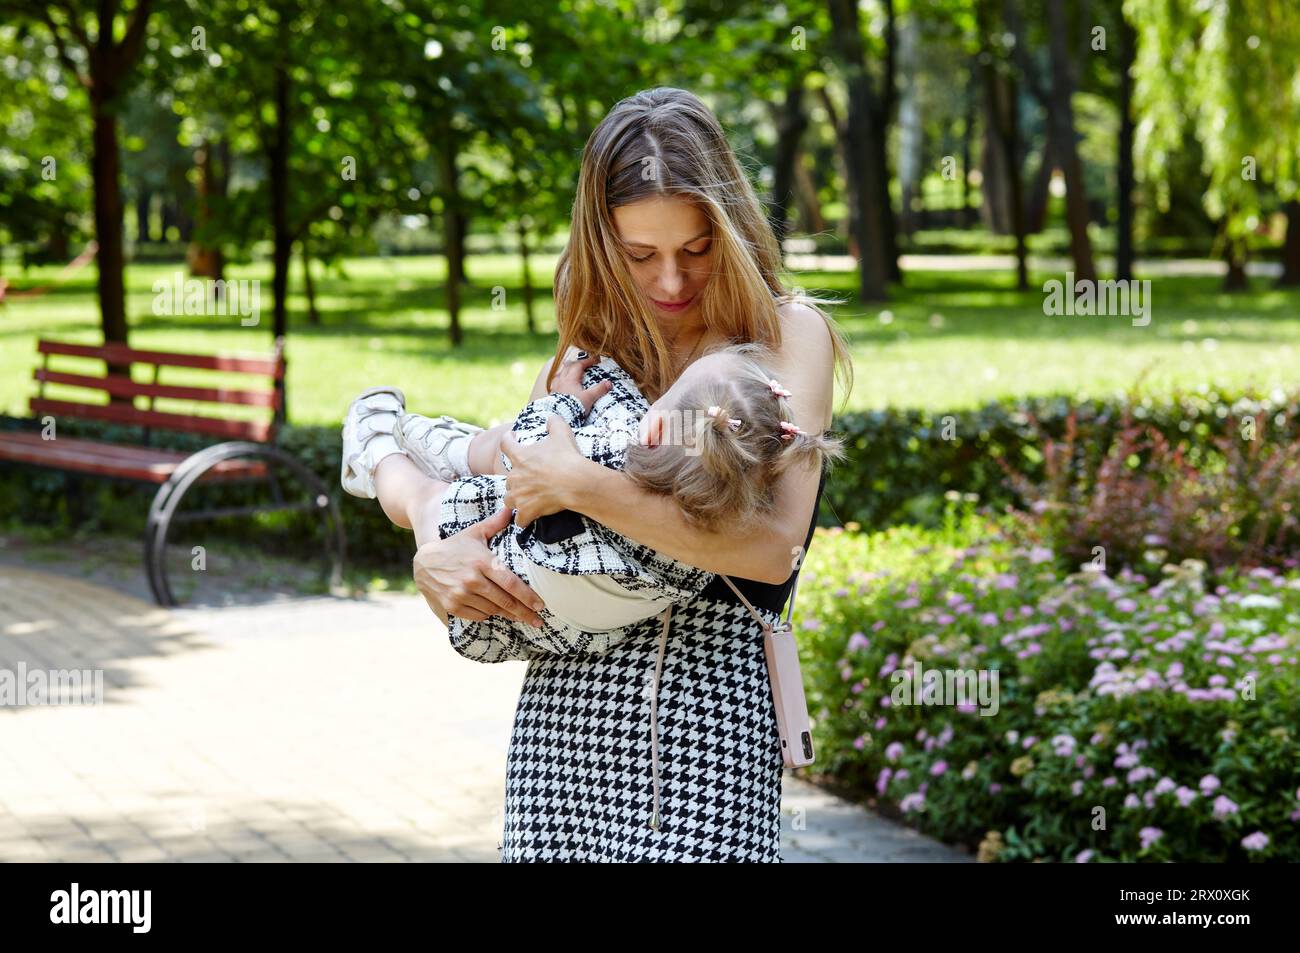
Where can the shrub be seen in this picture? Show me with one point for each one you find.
(1165, 709)
(901, 463)
(1232, 501)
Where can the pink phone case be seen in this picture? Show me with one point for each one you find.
(792, 720)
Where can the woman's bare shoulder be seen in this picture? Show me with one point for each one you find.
(807, 355)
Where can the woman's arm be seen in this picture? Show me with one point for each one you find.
(458, 574)
(552, 475)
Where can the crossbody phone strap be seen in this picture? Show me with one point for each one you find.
(789, 615)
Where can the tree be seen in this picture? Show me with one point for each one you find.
(862, 153)
(1227, 71)
(100, 50)
(1002, 115)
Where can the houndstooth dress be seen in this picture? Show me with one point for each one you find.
(580, 779)
(598, 733)
(573, 544)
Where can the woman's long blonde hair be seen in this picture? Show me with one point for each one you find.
(665, 141)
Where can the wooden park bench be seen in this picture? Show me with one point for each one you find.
(245, 450)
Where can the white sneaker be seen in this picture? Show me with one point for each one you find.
(368, 437)
(437, 445)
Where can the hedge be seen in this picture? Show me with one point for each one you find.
(899, 467)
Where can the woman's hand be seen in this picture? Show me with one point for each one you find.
(568, 380)
(460, 576)
(544, 476)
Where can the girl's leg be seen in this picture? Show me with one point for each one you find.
(409, 498)
(485, 449)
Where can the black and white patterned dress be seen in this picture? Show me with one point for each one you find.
(580, 781)
(581, 773)
(572, 545)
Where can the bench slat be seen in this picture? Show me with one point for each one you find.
(147, 464)
(212, 426)
(121, 354)
(122, 387)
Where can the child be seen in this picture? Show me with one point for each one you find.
(717, 442)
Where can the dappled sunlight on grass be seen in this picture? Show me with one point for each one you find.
(946, 340)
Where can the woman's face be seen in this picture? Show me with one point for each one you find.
(667, 241)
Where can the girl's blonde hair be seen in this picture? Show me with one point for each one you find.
(726, 447)
(659, 142)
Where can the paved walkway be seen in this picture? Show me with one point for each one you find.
(310, 729)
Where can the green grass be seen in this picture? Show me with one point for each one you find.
(947, 340)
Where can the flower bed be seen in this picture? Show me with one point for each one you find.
(1140, 717)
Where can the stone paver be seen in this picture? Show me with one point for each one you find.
(308, 729)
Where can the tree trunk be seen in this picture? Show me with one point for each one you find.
(1290, 276)
(967, 138)
(462, 230)
(1001, 108)
(791, 121)
(313, 316)
(282, 250)
(1124, 201)
(144, 232)
(911, 149)
(994, 204)
(109, 262)
(1234, 252)
(1040, 192)
(105, 169)
(1061, 116)
(810, 208)
(528, 277)
(451, 233)
(205, 260)
(884, 115)
(861, 154)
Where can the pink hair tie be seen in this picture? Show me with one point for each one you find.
(732, 422)
(777, 389)
(790, 430)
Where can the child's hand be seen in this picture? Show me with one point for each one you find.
(568, 380)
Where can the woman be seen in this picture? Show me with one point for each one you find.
(669, 254)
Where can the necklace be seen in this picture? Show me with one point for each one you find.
(698, 341)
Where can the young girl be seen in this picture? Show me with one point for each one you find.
(716, 442)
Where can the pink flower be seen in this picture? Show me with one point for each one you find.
(1149, 835)
(1224, 806)
(938, 768)
(1084, 856)
(1255, 841)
